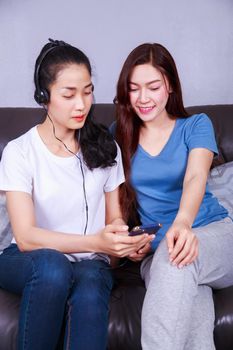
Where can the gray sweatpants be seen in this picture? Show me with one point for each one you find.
(178, 310)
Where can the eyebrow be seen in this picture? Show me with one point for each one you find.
(150, 82)
(74, 88)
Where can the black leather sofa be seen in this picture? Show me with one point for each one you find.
(127, 296)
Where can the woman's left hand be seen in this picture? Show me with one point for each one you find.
(182, 244)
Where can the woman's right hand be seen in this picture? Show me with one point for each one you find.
(141, 254)
(110, 242)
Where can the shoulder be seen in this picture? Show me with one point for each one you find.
(20, 151)
(196, 119)
(198, 132)
(21, 144)
(200, 118)
(15, 165)
(196, 124)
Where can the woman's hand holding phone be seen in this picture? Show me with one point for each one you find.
(151, 229)
(114, 240)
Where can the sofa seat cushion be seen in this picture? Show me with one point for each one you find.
(9, 313)
(220, 182)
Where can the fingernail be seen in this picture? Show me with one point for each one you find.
(180, 266)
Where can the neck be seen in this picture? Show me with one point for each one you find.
(59, 141)
(58, 132)
(163, 120)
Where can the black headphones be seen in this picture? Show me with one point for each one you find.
(42, 95)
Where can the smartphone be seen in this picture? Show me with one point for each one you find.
(151, 229)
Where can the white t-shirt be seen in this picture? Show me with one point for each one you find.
(56, 186)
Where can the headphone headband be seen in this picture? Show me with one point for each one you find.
(41, 95)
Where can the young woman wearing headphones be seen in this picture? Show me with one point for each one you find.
(61, 181)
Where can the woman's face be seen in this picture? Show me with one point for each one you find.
(71, 97)
(148, 92)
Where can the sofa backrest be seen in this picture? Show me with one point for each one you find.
(15, 121)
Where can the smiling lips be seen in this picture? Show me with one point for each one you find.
(79, 118)
(145, 110)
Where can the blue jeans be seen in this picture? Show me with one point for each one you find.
(54, 289)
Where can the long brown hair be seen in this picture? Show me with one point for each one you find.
(128, 123)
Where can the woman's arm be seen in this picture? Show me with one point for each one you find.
(113, 211)
(182, 243)
(29, 237)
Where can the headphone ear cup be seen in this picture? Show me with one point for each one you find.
(41, 97)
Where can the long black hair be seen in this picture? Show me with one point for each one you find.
(96, 143)
(129, 124)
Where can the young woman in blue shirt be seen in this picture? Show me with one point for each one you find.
(167, 155)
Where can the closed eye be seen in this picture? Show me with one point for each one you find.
(68, 97)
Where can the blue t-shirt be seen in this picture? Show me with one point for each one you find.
(158, 180)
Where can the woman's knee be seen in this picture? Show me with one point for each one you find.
(162, 267)
(51, 268)
(94, 281)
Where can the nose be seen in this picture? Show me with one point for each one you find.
(143, 96)
(79, 103)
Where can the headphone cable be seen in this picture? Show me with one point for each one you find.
(81, 167)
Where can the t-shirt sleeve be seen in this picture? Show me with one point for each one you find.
(116, 175)
(200, 133)
(14, 170)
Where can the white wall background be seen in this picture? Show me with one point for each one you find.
(199, 34)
